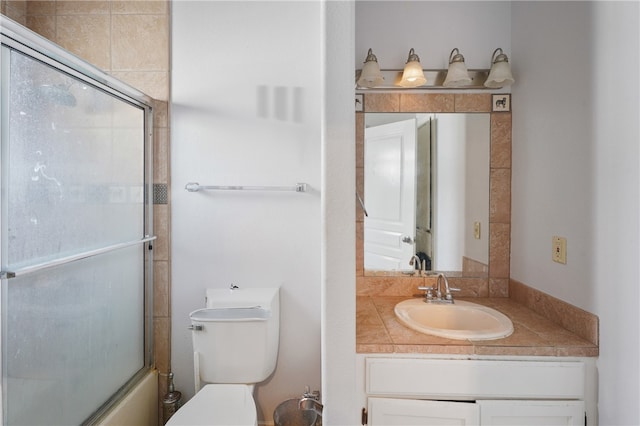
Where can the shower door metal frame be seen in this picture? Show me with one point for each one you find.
(13, 36)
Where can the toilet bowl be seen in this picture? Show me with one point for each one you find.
(218, 405)
(235, 346)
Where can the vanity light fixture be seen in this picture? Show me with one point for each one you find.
(412, 76)
(370, 75)
(457, 74)
(500, 74)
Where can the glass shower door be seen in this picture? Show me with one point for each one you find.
(73, 233)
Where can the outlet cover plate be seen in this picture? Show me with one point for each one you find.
(559, 247)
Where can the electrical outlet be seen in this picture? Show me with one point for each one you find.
(476, 230)
(559, 250)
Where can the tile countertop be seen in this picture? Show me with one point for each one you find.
(378, 331)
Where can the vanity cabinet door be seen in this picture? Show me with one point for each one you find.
(532, 413)
(413, 412)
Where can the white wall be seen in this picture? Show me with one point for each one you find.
(338, 218)
(449, 193)
(478, 153)
(575, 174)
(246, 110)
(433, 29)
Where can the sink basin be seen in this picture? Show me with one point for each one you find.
(461, 320)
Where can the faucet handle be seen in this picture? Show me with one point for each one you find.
(448, 296)
(428, 295)
(309, 394)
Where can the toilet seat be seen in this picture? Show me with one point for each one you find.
(218, 404)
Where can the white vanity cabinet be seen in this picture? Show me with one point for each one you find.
(427, 391)
(409, 412)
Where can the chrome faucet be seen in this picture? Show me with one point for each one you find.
(310, 401)
(421, 265)
(439, 297)
(447, 291)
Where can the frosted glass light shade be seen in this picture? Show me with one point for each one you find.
(412, 76)
(370, 75)
(500, 74)
(457, 75)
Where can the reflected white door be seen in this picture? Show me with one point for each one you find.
(390, 195)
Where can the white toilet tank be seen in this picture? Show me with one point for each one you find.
(235, 338)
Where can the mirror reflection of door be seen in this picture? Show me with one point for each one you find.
(450, 185)
(390, 195)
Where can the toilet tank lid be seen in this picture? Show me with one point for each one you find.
(255, 313)
(242, 297)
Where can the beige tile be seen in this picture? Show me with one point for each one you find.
(359, 139)
(361, 288)
(374, 349)
(43, 25)
(372, 335)
(366, 313)
(498, 287)
(472, 266)
(160, 155)
(360, 181)
(41, 7)
(161, 225)
(578, 321)
(470, 286)
(515, 350)
(16, 10)
(431, 102)
(139, 42)
(501, 140)
(369, 326)
(467, 102)
(163, 382)
(574, 319)
(591, 351)
(82, 7)
(161, 288)
(160, 113)
(392, 286)
(381, 102)
(359, 249)
(519, 292)
(499, 250)
(360, 191)
(449, 349)
(86, 36)
(500, 195)
(153, 83)
(564, 338)
(162, 343)
(153, 7)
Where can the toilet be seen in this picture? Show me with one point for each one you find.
(235, 346)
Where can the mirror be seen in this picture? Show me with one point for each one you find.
(426, 191)
(495, 282)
